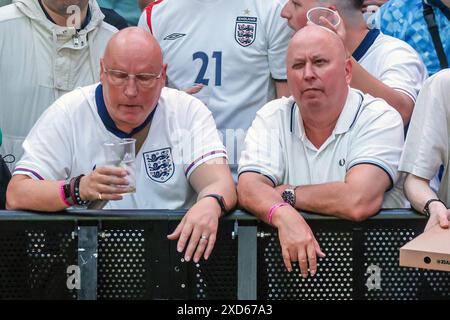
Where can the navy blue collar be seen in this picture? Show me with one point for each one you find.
(368, 40)
(87, 20)
(108, 121)
(292, 116)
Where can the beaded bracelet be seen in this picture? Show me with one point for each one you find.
(75, 191)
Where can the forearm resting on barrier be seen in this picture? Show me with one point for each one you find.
(357, 198)
(418, 192)
(25, 193)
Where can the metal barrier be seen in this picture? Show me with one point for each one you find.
(126, 255)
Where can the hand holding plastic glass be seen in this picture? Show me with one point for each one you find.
(313, 15)
(122, 154)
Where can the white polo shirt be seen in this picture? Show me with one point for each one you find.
(67, 141)
(427, 145)
(392, 61)
(368, 131)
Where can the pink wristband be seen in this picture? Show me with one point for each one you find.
(272, 210)
(61, 193)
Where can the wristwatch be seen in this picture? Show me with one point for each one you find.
(288, 196)
(220, 200)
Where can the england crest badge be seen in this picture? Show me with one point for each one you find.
(159, 164)
(245, 31)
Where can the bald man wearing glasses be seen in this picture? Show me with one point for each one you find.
(180, 160)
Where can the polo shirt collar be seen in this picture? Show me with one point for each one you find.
(346, 120)
(350, 112)
(108, 121)
(365, 45)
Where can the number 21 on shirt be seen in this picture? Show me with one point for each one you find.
(215, 61)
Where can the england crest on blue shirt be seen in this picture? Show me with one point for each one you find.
(159, 164)
(245, 32)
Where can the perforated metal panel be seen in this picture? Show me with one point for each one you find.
(216, 278)
(136, 261)
(381, 260)
(124, 260)
(333, 280)
(437, 284)
(382, 243)
(362, 263)
(34, 257)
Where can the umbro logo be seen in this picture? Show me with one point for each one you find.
(174, 36)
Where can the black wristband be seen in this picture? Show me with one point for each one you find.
(67, 194)
(76, 192)
(220, 200)
(426, 209)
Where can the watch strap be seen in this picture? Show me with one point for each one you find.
(220, 201)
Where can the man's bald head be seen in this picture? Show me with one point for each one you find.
(133, 42)
(316, 35)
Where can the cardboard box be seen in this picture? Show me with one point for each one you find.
(430, 250)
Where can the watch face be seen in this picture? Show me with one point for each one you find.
(289, 196)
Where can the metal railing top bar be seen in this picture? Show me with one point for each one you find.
(86, 215)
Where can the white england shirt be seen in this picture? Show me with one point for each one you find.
(67, 141)
(393, 62)
(233, 47)
(368, 131)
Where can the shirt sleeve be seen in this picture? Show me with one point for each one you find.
(279, 34)
(427, 141)
(47, 148)
(200, 139)
(379, 140)
(404, 70)
(263, 150)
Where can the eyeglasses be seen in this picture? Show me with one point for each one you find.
(120, 78)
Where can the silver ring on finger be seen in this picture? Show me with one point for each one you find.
(99, 196)
(203, 237)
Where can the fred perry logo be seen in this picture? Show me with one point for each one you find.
(159, 164)
(342, 162)
(174, 36)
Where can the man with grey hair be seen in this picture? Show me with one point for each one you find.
(383, 66)
(49, 47)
